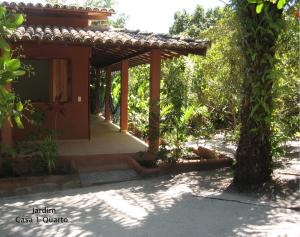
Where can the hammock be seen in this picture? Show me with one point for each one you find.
(114, 109)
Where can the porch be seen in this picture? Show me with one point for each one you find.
(105, 138)
(106, 50)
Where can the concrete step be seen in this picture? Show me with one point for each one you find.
(104, 177)
(102, 169)
(93, 171)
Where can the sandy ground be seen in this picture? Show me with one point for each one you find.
(199, 204)
(194, 204)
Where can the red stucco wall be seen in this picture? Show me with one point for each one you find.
(57, 21)
(75, 123)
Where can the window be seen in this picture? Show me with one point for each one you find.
(34, 87)
(51, 79)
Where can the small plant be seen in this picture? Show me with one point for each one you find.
(166, 155)
(40, 151)
(48, 152)
(200, 124)
(176, 131)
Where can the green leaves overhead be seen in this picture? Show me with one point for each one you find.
(193, 24)
(12, 65)
(261, 3)
(259, 7)
(18, 121)
(281, 3)
(4, 51)
(4, 46)
(19, 106)
(2, 12)
(14, 20)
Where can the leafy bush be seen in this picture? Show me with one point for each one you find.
(10, 69)
(138, 101)
(39, 155)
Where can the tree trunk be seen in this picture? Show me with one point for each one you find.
(254, 155)
(259, 33)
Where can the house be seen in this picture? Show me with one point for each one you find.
(61, 44)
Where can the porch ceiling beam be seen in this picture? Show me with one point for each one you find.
(170, 54)
(108, 53)
(113, 57)
(117, 49)
(137, 62)
(112, 64)
(145, 58)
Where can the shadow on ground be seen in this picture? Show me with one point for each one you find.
(190, 204)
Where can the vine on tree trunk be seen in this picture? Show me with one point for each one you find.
(260, 26)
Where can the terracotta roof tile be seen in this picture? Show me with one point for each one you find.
(106, 37)
(56, 6)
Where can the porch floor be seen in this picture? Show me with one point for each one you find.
(105, 139)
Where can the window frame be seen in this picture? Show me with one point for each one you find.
(50, 78)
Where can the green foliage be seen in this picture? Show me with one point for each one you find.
(138, 101)
(118, 20)
(260, 4)
(48, 151)
(116, 87)
(100, 3)
(217, 77)
(59, 2)
(286, 86)
(176, 111)
(116, 96)
(193, 24)
(41, 149)
(10, 69)
(260, 27)
(171, 155)
(259, 79)
(285, 121)
(35, 156)
(177, 134)
(212, 85)
(198, 94)
(200, 124)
